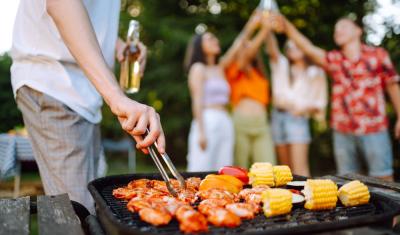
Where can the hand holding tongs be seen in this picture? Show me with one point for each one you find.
(154, 153)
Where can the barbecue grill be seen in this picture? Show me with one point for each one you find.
(116, 219)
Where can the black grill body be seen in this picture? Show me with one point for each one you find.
(117, 220)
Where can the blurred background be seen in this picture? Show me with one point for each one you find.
(167, 27)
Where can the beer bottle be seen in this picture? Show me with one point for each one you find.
(130, 67)
(266, 6)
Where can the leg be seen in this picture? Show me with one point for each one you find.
(344, 147)
(299, 159)
(377, 151)
(197, 158)
(66, 146)
(298, 136)
(242, 149)
(225, 148)
(282, 150)
(263, 149)
(242, 142)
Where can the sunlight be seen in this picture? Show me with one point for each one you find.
(8, 10)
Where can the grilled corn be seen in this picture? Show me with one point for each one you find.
(282, 175)
(354, 193)
(261, 173)
(320, 194)
(276, 202)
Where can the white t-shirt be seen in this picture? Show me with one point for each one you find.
(42, 61)
(306, 91)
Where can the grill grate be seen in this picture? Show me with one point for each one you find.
(298, 217)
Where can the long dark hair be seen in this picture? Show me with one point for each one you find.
(194, 52)
(306, 59)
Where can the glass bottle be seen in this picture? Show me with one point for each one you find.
(266, 6)
(130, 67)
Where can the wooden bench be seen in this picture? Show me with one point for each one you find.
(56, 215)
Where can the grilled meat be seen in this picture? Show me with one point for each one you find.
(243, 210)
(217, 194)
(221, 217)
(190, 220)
(154, 216)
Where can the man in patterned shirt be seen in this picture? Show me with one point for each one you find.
(360, 76)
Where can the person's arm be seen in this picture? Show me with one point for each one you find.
(252, 47)
(272, 48)
(393, 91)
(321, 98)
(251, 25)
(316, 54)
(196, 82)
(70, 16)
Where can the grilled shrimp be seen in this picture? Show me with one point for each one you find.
(216, 202)
(171, 204)
(125, 193)
(243, 210)
(217, 194)
(190, 220)
(140, 183)
(253, 195)
(135, 205)
(193, 183)
(221, 217)
(154, 216)
(187, 195)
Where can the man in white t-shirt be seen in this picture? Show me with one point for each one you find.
(62, 54)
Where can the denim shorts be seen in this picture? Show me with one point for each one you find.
(289, 129)
(375, 149)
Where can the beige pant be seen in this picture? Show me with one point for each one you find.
(67, 148)
(253, 141)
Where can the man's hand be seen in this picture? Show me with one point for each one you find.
(122, 46)
(397, 129)
(135, 118)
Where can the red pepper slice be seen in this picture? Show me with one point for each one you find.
(295, 191)
(235, 171)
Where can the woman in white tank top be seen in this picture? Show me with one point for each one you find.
(211, 133)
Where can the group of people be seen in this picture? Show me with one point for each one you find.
(63, 52)
(360, 74)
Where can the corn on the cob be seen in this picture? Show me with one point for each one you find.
(354, 193)
(261, 173)
(282, 175)
(320, 194)
(276, 202)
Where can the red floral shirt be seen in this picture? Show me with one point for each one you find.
(358, 101)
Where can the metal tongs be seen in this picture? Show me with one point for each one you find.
(155, 155)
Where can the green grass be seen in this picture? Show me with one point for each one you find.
(34, 229)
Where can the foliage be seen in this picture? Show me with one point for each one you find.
(167, 27)
(9, 114)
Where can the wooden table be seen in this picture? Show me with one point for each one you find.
(56, 215)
